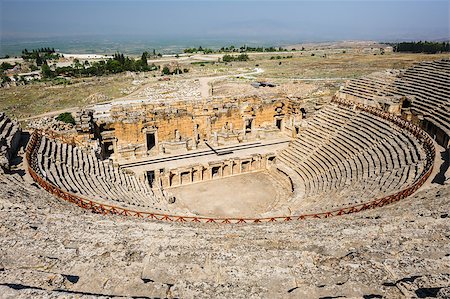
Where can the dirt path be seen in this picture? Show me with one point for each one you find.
(205, 81)
(204, 89)
(51, 113)
(321, 79)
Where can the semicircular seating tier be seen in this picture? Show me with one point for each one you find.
(426, 83)
(81, 173)
(346, 157)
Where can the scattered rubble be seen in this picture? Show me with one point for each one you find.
(172, 90)
(97, 98)
(49, 123)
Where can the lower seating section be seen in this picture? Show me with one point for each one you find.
(9, 139)
(78, 172)
(346, 157)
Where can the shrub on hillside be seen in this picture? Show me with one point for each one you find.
(66, 117)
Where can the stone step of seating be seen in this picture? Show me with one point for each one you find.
(6, 130)
(413, 88)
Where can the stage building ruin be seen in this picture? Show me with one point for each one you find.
(136, 134)
(146, 130)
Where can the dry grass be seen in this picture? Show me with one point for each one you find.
(335, 65)
(33, 99)
(28, 100)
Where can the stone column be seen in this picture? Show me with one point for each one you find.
(216, 139)
(195, 136)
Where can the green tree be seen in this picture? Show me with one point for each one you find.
(6, 78)
(227, 58)
(76, 63)
(114, 66)
(6, 66)
(166, 70)
(66, 117)
(38, 60)
(144, 59)
(242, 57)
(46, 71)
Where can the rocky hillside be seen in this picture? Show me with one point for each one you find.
(51, 249)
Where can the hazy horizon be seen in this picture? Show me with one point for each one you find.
(111, 24)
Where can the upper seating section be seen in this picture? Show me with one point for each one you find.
(429, 83)
(426, 83)
(372, 86)
(83, 174)
(9, 139)
(347, 157)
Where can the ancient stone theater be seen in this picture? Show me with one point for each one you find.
(370, 146)
(217, 177)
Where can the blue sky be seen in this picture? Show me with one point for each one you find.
(273, 20)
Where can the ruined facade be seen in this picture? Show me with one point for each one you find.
(143, 130)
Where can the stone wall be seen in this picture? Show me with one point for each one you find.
(184, 126)
(166, 178)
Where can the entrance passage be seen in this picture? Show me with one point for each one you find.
(248, 125)
(278, 123)
(215, 171)
(150, 141)
(108, 149)
(151, 177)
